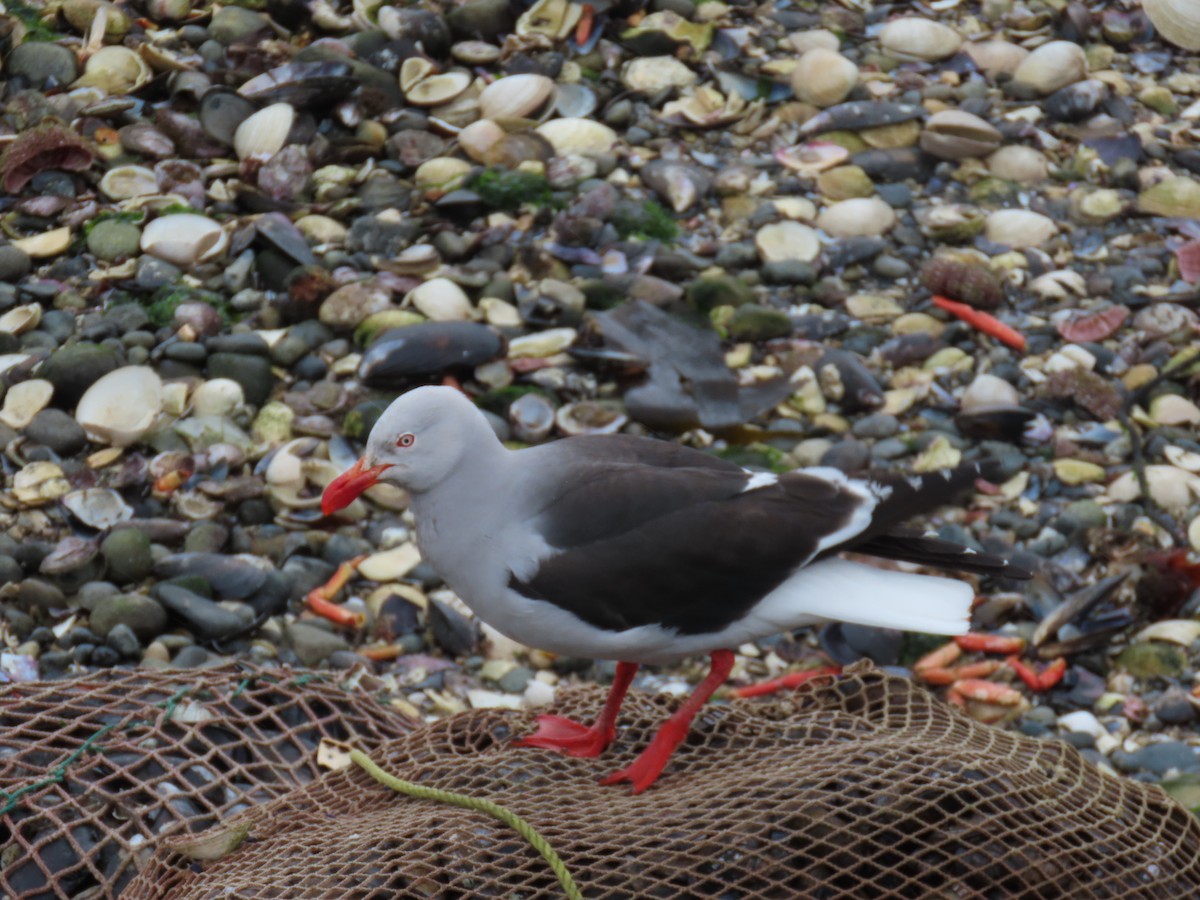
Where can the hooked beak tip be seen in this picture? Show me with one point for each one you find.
(348, 486)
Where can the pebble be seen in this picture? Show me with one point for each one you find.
(143, 616)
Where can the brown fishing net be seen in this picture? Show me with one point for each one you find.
(95, 770)
(862, 786)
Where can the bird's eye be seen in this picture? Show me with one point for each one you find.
(406, 440)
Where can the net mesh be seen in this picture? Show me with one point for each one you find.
(95, 770)
(859, 786)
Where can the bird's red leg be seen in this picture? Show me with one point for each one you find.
(574, 739)
(651, 761)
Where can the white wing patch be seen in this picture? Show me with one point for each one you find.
(759, 480)
(861, 517)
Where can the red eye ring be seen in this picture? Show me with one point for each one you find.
(406, 440)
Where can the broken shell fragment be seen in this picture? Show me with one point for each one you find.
(782, 241)
(125, 182)
(98, 508)
(25, 400)
(857, 217)
(812, 158)
(438, 89)
(122, 406)
(46, 244)
(184, 239)
(39, 483)
(115, 70)
(21, 319)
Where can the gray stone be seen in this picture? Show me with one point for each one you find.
(127, 553)
(140, 614)
(234, 25)
(205, 619)
(190, 657)
(75, 368)
(14, 262)
(42, 62)
(122, 639)
(34, 593)
(515, 680)
(253, 373)
(1174, 707)
(113, 240)
(313, 645)
(789, 271)
(483, 20)
(1079, 516)
(1158, 758)
(10, 570)
(151, 273)
(876, 425)
(205, 537)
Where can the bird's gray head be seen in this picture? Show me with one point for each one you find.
(417, 443)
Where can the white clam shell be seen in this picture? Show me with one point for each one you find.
(265, 133)
(517, 96)
(858, 217)
(184, 239)
(441, 300)
(125, 182)
(823, 77)
(1178, 21)
(988, 392)
(24, 400)
(122, 406)
(651, 74)
(578, 137)
(1052, 66)
(915, 38)
(1020, 163)
(1019, 228)
(114, 70)
(98, 508)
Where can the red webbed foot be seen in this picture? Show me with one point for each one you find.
(644, 770)
(567, 736)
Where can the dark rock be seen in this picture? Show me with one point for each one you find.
(1174, 707)
(14, 262)
(127, 555)
(453, 632)
(190, 657)
(122, 640)
(253, 373)
(75, 368)
(752, 322)
(313, 645)
(231, 577)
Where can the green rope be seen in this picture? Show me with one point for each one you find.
(495, 810)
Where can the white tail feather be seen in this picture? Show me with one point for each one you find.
(845, 591)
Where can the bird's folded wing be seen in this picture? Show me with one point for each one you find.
(689, 549)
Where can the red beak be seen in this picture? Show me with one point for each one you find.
(347, 487)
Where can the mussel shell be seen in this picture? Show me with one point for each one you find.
(426, 349)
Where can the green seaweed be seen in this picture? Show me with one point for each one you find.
(645, 220)
(136, 217)
(36, 28)
(163, 303)
(509, 190)
(763, 456)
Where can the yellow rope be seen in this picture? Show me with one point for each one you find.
(495, 810)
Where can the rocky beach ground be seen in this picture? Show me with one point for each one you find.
(894, 236)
